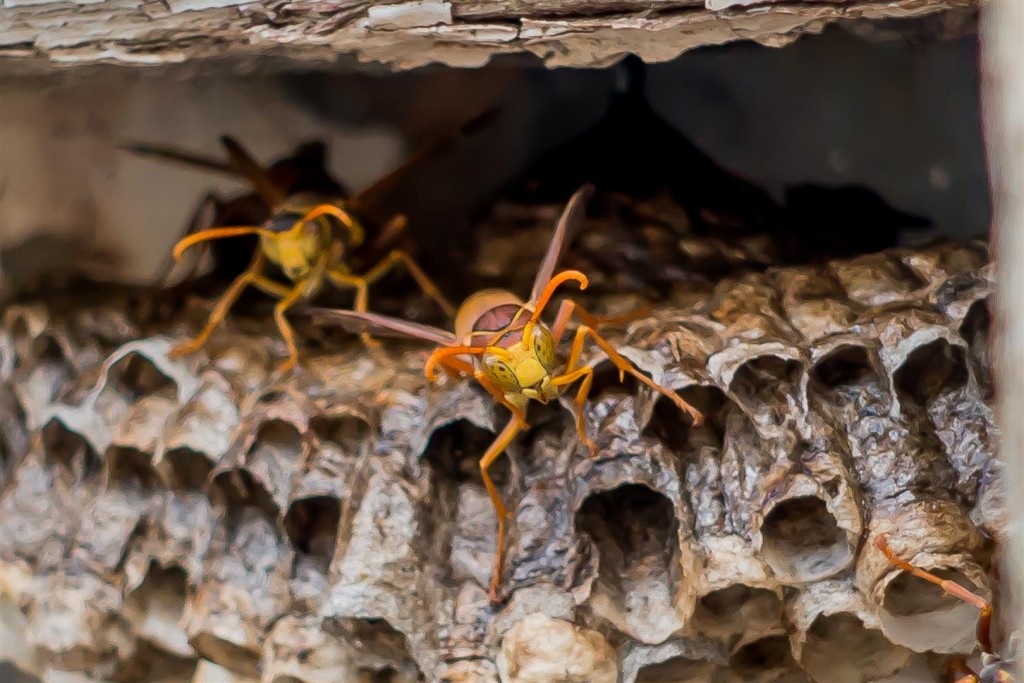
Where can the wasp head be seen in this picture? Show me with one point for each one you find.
(524, 370)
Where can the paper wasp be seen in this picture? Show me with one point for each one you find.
(994, 669)
(311, 238)
(501, 341)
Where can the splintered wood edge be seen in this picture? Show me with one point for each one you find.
(412, 33)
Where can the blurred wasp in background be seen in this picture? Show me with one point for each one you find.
(501, 341)
(994, 668)
(312, 235)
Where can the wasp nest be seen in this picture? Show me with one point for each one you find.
(195, 520)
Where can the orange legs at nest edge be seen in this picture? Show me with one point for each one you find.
(514, 426)
(621, 363)
(949, 587)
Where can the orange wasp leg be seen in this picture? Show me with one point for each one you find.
(949, 587)
(498, 395)
(623, 365)
(344, 279)
(587, 373)
(397, 257)
(456, 367)
(430, 368)
(567, 308)
(497, 448)
(251, 276)
(957, 671)
(395, 226)
(296, 293)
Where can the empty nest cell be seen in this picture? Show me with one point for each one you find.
(188, 469)
(683, 670)
(264, 476)
(312, 525)
(674, 429)
(454, 452)
(131, 467)
(344, 432)
(767, 387)
(764, 658)
(156, 609)
(930, 370)
(975, 330)
(843, 366)
(452, 456)
(70, 450)
(135, 376)
(921, 616)
(729, 613)
(836, 635)
(636, 534)
(841, 649)
(802, 538)
(380, 651)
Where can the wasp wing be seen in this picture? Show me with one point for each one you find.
(182, 157)
(570, 219)
(245, 165)
(382, 325)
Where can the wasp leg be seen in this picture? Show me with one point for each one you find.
(567, 308)
(498, 395)
(456, 368)
(443, 353)
(250, 276)
(296, 293)
(624, 366)
(341, 278)
(497, 448)
(572, 375)
(949, 587)
(395, 226)
(957, 671)
(427, 285)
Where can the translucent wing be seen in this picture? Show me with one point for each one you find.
(187, 158)
(381, 325)
(241, 164)
(570, 219)
(252, 171)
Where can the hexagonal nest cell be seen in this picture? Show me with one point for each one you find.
(208, 516)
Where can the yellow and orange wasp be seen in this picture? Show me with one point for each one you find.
(501, 341)
(311, 239)
(995, 669)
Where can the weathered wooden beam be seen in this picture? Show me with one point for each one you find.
(1003, 102)
(412, 33)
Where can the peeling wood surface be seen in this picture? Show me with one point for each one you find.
(197, 513)
(405, 35)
